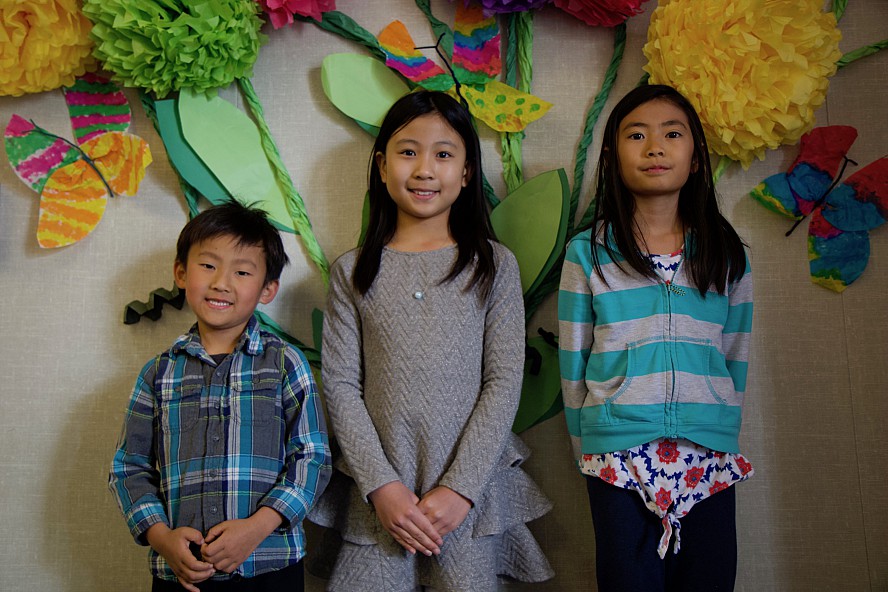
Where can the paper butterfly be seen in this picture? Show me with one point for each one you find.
(476, 63)
(842, 213)
(74, 182)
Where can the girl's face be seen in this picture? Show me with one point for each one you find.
(655, 150)
(424, 169)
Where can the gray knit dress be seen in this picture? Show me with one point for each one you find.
(422, 380)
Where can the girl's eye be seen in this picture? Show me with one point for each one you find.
(673, 135)
(444, 154)
(408, 153)
(636, 136)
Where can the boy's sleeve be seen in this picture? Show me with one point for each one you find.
(134, 479)
(738, 328)
(576, 324)
(307, 462)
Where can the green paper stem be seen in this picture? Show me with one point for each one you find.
(519, 74)
(440, 29)
(295, 205)
(340, 24)
(592, 116)
(838, 7)
(861, 52)
(724, 163)
(192, 196)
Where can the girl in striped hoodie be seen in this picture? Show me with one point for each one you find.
(655, 313)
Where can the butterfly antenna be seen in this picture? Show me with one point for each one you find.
(822, 198)
(458, 86)
(83, 154)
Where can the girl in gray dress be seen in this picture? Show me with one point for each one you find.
(423, 359)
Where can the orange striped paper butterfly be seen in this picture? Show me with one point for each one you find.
(75, 180)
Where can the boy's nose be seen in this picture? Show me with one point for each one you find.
(218, 282)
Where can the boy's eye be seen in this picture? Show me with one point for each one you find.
(206, 265)
(244, 273)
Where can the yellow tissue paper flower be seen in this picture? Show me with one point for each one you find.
(755, 70)
(44, 44)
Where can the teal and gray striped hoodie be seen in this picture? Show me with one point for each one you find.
(641, 359)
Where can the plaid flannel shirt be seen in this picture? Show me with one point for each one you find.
(204, 442)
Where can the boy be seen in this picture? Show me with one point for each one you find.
(224, 448)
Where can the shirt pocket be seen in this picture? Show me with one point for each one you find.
(255, 404)
(180, 408)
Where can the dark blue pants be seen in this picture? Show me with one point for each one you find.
(627, 535)
(289, 579)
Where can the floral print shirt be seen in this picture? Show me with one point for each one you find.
(670, 475)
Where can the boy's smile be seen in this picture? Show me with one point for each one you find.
(224, 282)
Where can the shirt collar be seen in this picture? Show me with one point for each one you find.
(249, 343)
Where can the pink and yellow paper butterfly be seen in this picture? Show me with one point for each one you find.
(476, 63)
(75, 181)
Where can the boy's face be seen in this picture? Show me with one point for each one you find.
(223, 282)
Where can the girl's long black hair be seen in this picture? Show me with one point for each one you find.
(469, 218)
(714, 253)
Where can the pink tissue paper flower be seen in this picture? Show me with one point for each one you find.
(601, 13)
(281, 11)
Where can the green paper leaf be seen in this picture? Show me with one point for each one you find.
(540, 392)
(532, 222)
(229, 144)
(361, 87)
(266, 322)
(189, 166)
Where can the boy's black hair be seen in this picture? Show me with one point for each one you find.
(469, 218)
(714, 255)
(248, 225)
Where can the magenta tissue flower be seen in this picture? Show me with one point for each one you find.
(281, 11)
(601, 13)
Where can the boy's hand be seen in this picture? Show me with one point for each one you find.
(397, 511)
(445, 508)
(173, 545)
(229, 543)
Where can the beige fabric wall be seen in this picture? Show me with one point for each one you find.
(813, 518)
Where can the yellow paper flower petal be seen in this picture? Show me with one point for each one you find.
(755, 70)
(44, 44)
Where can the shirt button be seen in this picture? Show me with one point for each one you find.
(418, 295)
(213, 510)
(215, 438)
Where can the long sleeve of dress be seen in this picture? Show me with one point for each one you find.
(343, 378)
(490, 423)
